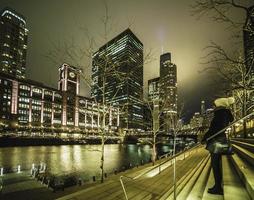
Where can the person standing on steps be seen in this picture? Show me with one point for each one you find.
(221, 119)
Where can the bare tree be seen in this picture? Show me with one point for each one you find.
(155, 108)
(108, 67)
(221, 11)
(232, 69)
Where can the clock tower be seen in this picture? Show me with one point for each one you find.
(69, 79)
(69, 84)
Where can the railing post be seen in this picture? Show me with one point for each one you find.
(18, 168)
(125, 194)
(2, 171)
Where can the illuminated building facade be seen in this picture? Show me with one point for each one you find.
(69, 84)
(202, 108)
(196, 120)
(153, 89)
(13, 43)
(26, 104)
(168, 91)
(118, 65)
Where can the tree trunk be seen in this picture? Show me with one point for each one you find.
(102, 158)
(244, 113)
(174, 152)
(154, 153)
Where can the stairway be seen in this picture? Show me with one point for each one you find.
(238, 176)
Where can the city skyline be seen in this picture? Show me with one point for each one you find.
(162, 32)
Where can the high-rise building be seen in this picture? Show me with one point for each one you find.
(117, 73)
(202, 109)
(29, 105)
(153, 89)
(13, 43)
(168, 91)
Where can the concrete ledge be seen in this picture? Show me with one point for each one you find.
(198, 189)
(245, 154)
(233, 187)
(187, 184)
(245, 145)
(245, 172)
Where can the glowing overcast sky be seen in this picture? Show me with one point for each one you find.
(159, 24)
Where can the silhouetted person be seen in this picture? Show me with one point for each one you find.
(221, 119)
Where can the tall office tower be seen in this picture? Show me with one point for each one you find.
(69, 84)
(13, 43)
(117, 74)
(153, 89)
(248, 41)
(168, 91)
(152, 104)
(202, 109)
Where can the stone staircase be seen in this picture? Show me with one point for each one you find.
(238, 177)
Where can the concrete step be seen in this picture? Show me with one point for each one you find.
(186, 186)
(159, 185)
(250, 141)
(210, 183)
(232, 185)
(198, 189)
(184, 180)
(245, 154)
(246, 145)
(245, 171)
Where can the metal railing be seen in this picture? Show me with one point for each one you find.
(178, 154)
(232, 124)
(155, 167)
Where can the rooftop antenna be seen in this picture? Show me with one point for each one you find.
(162, 49)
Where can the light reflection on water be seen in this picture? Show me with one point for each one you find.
(83, 159)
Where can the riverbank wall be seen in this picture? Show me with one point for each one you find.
(36, 141)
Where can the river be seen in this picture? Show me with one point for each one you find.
(81, 159)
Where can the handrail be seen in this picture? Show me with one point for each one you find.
(222, 130)
(141, 174)
(164, 155)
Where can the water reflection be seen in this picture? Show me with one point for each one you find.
(83, 159)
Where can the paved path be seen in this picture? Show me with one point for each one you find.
(23, 187)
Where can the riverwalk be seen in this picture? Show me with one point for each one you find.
(149, 185)
(193, 178)
(23, 186)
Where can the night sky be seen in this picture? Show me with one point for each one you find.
(162, 25)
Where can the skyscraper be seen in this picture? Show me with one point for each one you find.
(117, 74)
(153, 89)
(202, 108)
(168, 91)
(13, 43)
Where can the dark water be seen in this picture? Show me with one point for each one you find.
(81, 159)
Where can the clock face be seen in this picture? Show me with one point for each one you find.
(71, 74)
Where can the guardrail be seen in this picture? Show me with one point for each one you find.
(158, 166)
(232, 124)
(178, 154)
